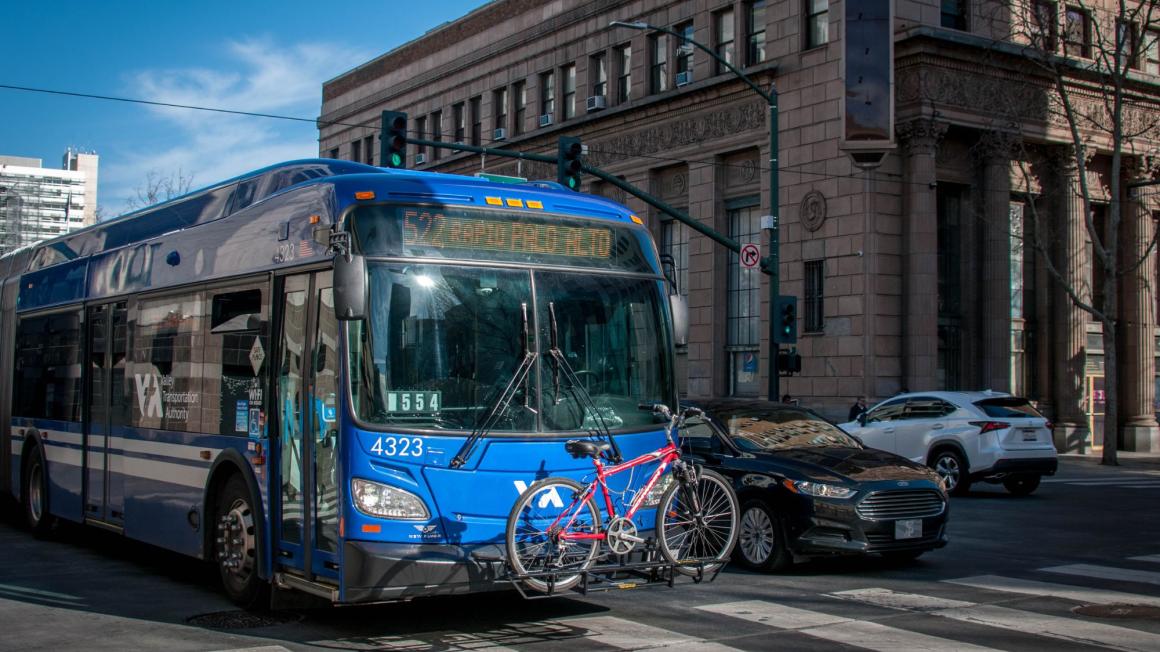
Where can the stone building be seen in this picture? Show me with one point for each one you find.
(915, 273)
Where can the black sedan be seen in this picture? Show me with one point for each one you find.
(807, 489)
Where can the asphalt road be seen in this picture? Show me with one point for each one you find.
(1011, 579)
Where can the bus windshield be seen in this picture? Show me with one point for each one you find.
(442, 342)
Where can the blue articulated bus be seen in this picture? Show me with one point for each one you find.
(326, 376)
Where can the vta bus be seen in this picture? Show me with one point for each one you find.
(327, 376)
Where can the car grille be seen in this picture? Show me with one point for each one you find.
(890, 505)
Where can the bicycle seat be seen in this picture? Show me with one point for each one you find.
(580, 448)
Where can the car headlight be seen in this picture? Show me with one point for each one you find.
(382, 500)
(819, 489)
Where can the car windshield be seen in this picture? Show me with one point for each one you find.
(443, 342)
(780, 429)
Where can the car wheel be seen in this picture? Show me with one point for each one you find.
(761, 541)
(949, 466)
(902, 556)
(1021, 485)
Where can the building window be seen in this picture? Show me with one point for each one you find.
(659, 64)
(499, 108)
(624, 73)
(369, 149)
(356, 151)
(421, 129)
(1077, 33)
(568, 78)
(334, 153)
(1099, 224)
(755, 31)
(817, 23)
(598, 73)
(743, 301)
(953, 203)
(1044, 25)
(723, 38)
(1126, 45)
(476, 107)
(953, 14)
(685, 50)
(548, 94)
(814, 303)
(1151, 50)
(460, 122)
(437, 133)
(520, 91)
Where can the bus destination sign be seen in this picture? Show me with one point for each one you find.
(427, 228)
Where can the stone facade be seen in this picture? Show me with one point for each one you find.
(920, 273)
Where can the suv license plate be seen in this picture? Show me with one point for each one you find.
(908, 529)
(1030, 434)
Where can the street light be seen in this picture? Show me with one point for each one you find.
(770, 263)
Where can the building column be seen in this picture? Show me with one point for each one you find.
(920, 139)
(1137, 361)
(993, 154)
(1070, 345)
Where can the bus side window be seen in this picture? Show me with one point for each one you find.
(235, 358)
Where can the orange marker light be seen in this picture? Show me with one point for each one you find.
(494, 201)
(515, 203)
(315, 219)
(365, 194)
(373, 529)
(636, 219)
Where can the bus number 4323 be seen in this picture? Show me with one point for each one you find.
(398, 446)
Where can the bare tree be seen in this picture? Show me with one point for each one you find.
(1090, 89)
(159, 187)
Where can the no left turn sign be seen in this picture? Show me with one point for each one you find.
(750, 256)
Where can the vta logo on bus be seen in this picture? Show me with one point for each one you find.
(149, 402)
(550, 497)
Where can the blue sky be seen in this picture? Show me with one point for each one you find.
(246, 55)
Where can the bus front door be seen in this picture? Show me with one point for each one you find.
(307, 438)
(107, 352)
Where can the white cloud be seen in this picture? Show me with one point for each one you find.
(263, 77)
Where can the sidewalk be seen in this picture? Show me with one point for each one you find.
(1127, 459)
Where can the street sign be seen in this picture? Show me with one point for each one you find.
(499, 178)
(750, 256)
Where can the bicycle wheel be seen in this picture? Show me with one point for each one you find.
(697, 522)
(533, 542)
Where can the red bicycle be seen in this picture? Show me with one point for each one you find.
(555, 530)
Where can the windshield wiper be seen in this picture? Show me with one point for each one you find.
(503, 401)
(581, 394)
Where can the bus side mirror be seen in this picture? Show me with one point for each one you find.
(350, 287)
(680, 309)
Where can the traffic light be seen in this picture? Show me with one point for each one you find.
(789, 362)
(393, 148)
(785, 320)
(568, 163)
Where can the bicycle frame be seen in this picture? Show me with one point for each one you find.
(666, 456)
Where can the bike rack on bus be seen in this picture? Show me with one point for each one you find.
(621, 574)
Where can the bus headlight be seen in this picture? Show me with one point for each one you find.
(384, 501)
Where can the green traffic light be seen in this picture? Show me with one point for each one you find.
(572, 182)
(396, 160)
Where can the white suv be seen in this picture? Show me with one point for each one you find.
(964, 437)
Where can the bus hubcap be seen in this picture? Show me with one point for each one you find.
(236, 539)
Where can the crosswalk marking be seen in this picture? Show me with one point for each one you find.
(875, 636)
(895, 600)
(773, 614)
(1106, 573)
(627, 635)
(1153, 558)
(1067, 629)
(1076, 593)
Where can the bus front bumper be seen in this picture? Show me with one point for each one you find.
(378, 572)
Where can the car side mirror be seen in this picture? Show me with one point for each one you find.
(862, 419)
(680, 309)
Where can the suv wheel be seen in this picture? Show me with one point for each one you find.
(761, 541)
(949, 466)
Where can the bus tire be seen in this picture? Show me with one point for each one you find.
(236, 542)
(34, 494)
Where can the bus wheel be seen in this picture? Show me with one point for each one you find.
(236, 544)
(35, 494)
